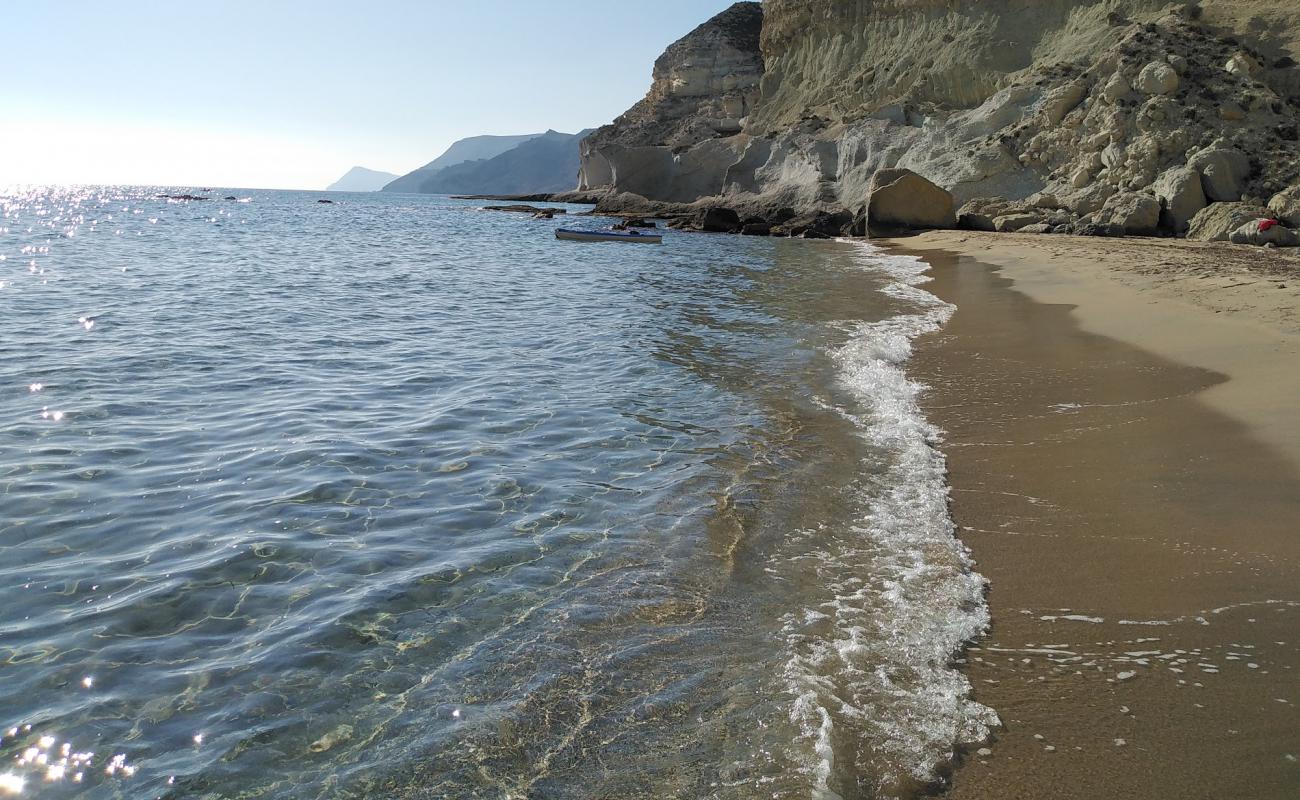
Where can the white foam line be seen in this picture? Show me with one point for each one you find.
(888, 661)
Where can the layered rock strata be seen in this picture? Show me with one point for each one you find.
(1084, 116)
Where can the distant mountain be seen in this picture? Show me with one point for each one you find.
(474, 148)
(545, 163)
(360, 179)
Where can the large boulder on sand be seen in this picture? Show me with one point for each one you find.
(1260, 232)
(1138, 214)
(899, 198)
(1223, 173)
(1217, 221)
(1181, 198)
(1285, 206)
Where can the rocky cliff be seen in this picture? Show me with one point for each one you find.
(702, 88)
(1114, 114)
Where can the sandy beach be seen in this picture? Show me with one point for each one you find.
(1125, 467)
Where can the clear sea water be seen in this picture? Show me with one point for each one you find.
(399, 498)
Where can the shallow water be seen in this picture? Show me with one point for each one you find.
(399, 498)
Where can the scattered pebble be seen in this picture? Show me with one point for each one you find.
(984, 751)
(1120, 742)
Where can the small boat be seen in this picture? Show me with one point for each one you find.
(635, 237)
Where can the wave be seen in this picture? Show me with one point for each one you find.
(877, 694)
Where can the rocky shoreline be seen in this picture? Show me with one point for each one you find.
(1125, 118)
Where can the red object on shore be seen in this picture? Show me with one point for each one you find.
(1265, 224)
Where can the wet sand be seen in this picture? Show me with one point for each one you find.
(1138, 525)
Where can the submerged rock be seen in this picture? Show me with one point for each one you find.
(524, 209)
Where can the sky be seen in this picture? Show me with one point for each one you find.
(290, 95)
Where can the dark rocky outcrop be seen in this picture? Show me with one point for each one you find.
(525, 209)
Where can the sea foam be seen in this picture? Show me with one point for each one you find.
(876, 692)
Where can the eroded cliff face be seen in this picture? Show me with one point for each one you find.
(1081, 102)
(703, 87)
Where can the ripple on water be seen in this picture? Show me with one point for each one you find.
(410, 499)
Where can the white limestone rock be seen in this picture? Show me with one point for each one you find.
(1217, 221)
(899, 198)
(1138, 214)
(1223, 173)
(1181, 197)
(1158, 78)
(1259, 233)
(1285, 205)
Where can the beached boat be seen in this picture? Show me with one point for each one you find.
(635, 237)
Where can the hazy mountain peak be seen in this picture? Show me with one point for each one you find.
(360, 179)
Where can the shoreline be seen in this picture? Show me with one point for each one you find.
(1232, 310)
(1112, 471)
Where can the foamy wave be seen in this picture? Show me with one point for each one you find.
(876, 693)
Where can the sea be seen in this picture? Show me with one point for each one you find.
(394, 497)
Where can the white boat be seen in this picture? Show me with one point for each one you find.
(635, 237)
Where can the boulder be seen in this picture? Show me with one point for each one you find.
(1181, 198)
(1217, 221)
(980, 213)
(1285, 205)
(1116, 88)
(1257, 233)
(1223, 173)
(1243, 65)
(1091, 198)
(1039, 227)
(1097, 229)
(1061, 102)
(717, 219)
(756, 229)
(827, 223)
(1113, 156)
(1045, 200)
(633, 222)
(899, 198)
(1011, 223)
(1138, 214)
(1157, 78)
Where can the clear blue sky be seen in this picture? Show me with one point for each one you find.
(280, 94)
